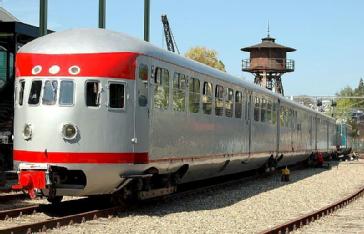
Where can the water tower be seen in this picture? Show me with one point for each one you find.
(268, 62)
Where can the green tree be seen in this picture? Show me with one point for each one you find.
(205, 56)
(360, 90)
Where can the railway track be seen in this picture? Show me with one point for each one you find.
(13, 196)
(58, 216)
(308, 218)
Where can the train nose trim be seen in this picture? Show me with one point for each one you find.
(31, 181)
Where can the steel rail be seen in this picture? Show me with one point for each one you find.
(110, 211)
(62, 221)
(8, 197)
(308, 218)
(42, 226)
(13, 213)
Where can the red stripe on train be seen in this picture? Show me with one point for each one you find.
(70, 157)
(108, 65)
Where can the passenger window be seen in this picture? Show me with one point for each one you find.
(263, 110)
(143, 87)
(66, 93)
(207, 98)
(229, 102)
(50, 92)
(21, 92)
(194, 95)
(179, 92)
(34, 95)
(116, 95)
(219, 100)
(247, 106)
(274, 115)
(283, 116)
(238, 104)
(269, 111)
(256, 109)
(93, 92)
(161, 91)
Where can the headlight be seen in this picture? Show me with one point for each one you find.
(27, 132)
(69, 131)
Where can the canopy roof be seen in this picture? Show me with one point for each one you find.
(268, 43)
(6, 16)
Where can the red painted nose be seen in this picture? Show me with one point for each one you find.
(26, 181)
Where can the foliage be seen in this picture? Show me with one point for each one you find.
(347, 107)
(205, 56)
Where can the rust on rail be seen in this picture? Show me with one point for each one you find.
(306, 219)
(18, 212)
(62, 221)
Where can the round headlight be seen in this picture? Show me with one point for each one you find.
(69, 131)
(27, 132)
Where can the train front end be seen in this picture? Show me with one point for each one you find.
(74, 118)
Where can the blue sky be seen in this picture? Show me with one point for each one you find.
(328, 34)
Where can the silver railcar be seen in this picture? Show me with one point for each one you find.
(99, 112)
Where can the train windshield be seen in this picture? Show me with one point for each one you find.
(50, 92)
(34, 95)
(66, 93)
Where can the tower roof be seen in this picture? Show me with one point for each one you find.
(6, 16)
(268, 43)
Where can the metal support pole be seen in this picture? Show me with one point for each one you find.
(43, 9)
(102, 10)
(146, 19)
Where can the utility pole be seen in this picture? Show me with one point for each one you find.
(102, 10)
(43, 9)
(146, 19)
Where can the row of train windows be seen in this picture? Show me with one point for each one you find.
(65, 88)
(224, 98)
(265, 110)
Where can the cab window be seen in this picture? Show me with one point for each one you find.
(50, 92)
(21, 92)
(66, 93)
(35, 90)
(93, 93)
(116, 95)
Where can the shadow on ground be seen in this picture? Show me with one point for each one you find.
(222, 196)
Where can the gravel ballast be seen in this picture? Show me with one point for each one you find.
(248, 207)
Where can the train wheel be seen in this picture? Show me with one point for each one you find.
(124, 197)
(55, 199)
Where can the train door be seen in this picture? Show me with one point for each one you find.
(311, 132)
(316, 126)
(248, 120)
(141, 105)
(277, 107)
(327, 135)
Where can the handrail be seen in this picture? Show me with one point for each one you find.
(275, 64)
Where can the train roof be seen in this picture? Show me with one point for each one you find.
(82, 41)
